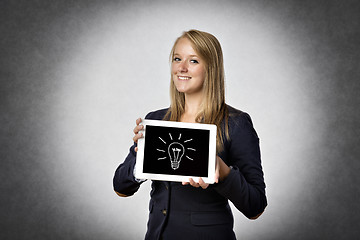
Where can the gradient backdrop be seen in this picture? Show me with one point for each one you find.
(76, 74)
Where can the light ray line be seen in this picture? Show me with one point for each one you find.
(188, 140)
(160, 150)
(162, 140)
(192, 149)
(189, 158)
(179, 136)
(170, 136)
(161, 158)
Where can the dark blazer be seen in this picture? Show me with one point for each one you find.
(186, 212)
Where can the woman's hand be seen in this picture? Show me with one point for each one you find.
(137, 133)
(221, 172)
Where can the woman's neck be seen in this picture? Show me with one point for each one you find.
(192, 107)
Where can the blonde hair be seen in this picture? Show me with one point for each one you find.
(213, 109)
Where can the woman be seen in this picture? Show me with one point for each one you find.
(196, 210)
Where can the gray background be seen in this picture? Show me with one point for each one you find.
(76, 74)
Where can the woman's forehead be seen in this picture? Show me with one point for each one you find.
(185, 46)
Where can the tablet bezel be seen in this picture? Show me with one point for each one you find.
(139, 174)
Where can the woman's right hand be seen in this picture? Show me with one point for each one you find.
(137, 132)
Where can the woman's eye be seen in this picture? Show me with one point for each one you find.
(176, 59)
(194, 61)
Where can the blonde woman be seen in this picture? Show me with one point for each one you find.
(196, 210)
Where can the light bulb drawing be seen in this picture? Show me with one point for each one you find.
(175, 151)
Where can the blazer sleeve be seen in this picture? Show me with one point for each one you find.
(124, 181)
(244, 186)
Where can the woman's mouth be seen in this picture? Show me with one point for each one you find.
(183, 78)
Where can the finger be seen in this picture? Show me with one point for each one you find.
(138, 128)
(203, 184)
(138, 121)
(185, 183)
(136, 149)
(193, 183)
(137, 136)
(217, 170)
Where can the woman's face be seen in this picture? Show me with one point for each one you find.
(187, 68)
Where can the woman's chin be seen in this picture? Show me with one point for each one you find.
(182, 89)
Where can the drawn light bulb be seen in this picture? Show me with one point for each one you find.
(176, 152)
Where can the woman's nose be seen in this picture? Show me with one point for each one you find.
(183, 67)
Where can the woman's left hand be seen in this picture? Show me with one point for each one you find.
(219, 163)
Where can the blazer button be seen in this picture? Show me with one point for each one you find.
(164, 212)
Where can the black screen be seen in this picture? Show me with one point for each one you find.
(176, 151)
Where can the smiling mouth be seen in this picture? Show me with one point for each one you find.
(183, 78)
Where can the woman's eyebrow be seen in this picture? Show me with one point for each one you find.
(193, 55)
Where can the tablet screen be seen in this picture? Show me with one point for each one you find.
(176, 151)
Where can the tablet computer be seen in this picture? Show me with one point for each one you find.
(176, 151)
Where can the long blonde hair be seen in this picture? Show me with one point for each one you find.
(213, 108)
